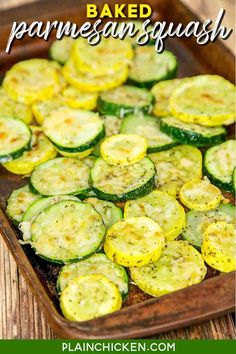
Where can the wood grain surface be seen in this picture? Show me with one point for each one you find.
(20, 315)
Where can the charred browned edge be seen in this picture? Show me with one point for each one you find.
(145, 316)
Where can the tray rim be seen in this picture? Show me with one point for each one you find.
(69, 329)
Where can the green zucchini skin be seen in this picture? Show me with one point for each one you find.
(134, 194)
(228, 187)
(149, 84)
(81, 195)
(234, 181)
(89, 145)
(14, 155)
(151, 150)
(190, 137)
(209, 158)
(108, 107)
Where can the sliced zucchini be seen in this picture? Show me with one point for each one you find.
(89, 296)
(60, 50)
(10, 108)
(32, 80)
(123, 149)
(76, 98)
(89, 161)
(218, 246)
(205, 99)
(179, 266)
(67, 231)
(18, 202)
(149, 128)
(42, 109)
(74, 130)
(105, 58)
(219, 164)
(200, 195)
(125, 100)
(234, 180)
(36, 208)
(93, 83)
(150, 67)
(134, 242)
(162, 92)
(197, 222)
(177, 166)
(60, 176)
(96, 264)
(160, 207)
(192, 134)
(121, 183)
(109, 212)
(41, 150)
(14, 138)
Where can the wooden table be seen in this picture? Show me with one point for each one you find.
(20, 315)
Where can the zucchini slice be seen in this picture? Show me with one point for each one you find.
(134, 242)
(35, 208)
(125, 100)
(121, 183)
(32, 80)
(89, 296)
(218, 246)
(10, 108)
(96, 264)
(18, 202)
(123, 149)
(15, 138)
(162, 92)
(74, 130)
(78, 155)
(109, 212)
(205, 99)
(160, 207)
(93, 83)
(197, 222)
(105, 58)
(179, 266)
(76, 98)
(42, 109)
(41, 150)
(234, 180)
(200, 195)
(60, 50)
(219, 164)
(149, 128)
(60, 176)
(192, 134)
(67, 231)
(177, 166)
(150, 67)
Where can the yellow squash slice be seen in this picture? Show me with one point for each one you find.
(74, 98)
(93, 83)
(218, 246)
(106, 58)
(134, 242)
(32, 80)
(123, 149)
(162, 92)
(200, 195)
(179, 266)
(41, 150)
(160, 207)
(89, 296)
(10, 108)
(205, 99)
